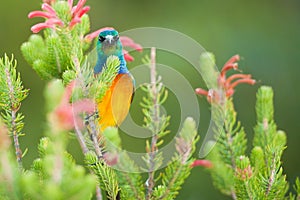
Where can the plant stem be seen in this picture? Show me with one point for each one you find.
(272, 175)
(153, 151)
(233, 194)
(98, 193)
(81, 141)
(14, 109)
(92, 130)
(16, 139)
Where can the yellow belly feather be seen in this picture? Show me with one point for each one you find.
(115, 105)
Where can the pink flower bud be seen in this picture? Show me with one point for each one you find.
(203, 163)
(39, 14)
(38, 27)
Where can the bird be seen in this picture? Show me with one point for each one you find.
(114, 106)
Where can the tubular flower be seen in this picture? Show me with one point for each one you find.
(126, 42)
(226, 85)
(54, 21)
(52, 18)
(203, 163)
(66, 115)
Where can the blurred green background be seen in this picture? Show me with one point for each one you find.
(265, 33)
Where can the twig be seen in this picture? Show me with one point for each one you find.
(91, 127)
(233, 194)
(272, 175)
(13, 120)
(92, 130)
(78, 133)
(81, 141)
(150, 182)
(16, 139)
(98, 193)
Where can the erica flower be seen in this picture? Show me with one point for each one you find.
(77, 11)
(66, 115)
(203, 163)
(54, 21)
(226, 85)
(126, 42)
(52, 18)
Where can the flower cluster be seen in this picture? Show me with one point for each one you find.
(226, 85)
(52, 18)
(75, 13)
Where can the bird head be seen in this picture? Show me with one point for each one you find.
(109, 43)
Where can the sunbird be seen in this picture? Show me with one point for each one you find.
(114, 106)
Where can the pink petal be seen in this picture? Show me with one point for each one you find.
(203, 163)
(95, 34)
(236, 76)
(78, 7)
(233, 59)
(39, 14)
(70, 3)
(127, 41)
(230, 64)
(245, 80)
(74, 21)
(127, 56)
(201, 91)
(67, 93)
(54, 21)
(49, 1)
(84, 105)
(83, 11)
(38, 27)
(48, 8)
(64, 117)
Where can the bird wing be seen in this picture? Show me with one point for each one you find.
(115, 105)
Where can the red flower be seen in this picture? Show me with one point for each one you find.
(203, 163)
(226, 84)
(53, 20)
(66, 115)
(77, 11)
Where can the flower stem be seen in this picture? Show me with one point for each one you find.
(81, 141)
(153, 148)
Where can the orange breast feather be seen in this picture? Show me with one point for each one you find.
(115, 105)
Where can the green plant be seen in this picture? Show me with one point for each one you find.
(259, 175)
(62, 57)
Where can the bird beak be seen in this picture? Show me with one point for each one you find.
(109, 38)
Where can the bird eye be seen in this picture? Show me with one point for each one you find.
(116, 37)
(101, 38)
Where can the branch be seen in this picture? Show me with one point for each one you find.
(272, 175)
(16, 139)
(92, 132)
(13, 119)
(153, 151)
(11, 95)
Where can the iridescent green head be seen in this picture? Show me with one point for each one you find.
(109, 43)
